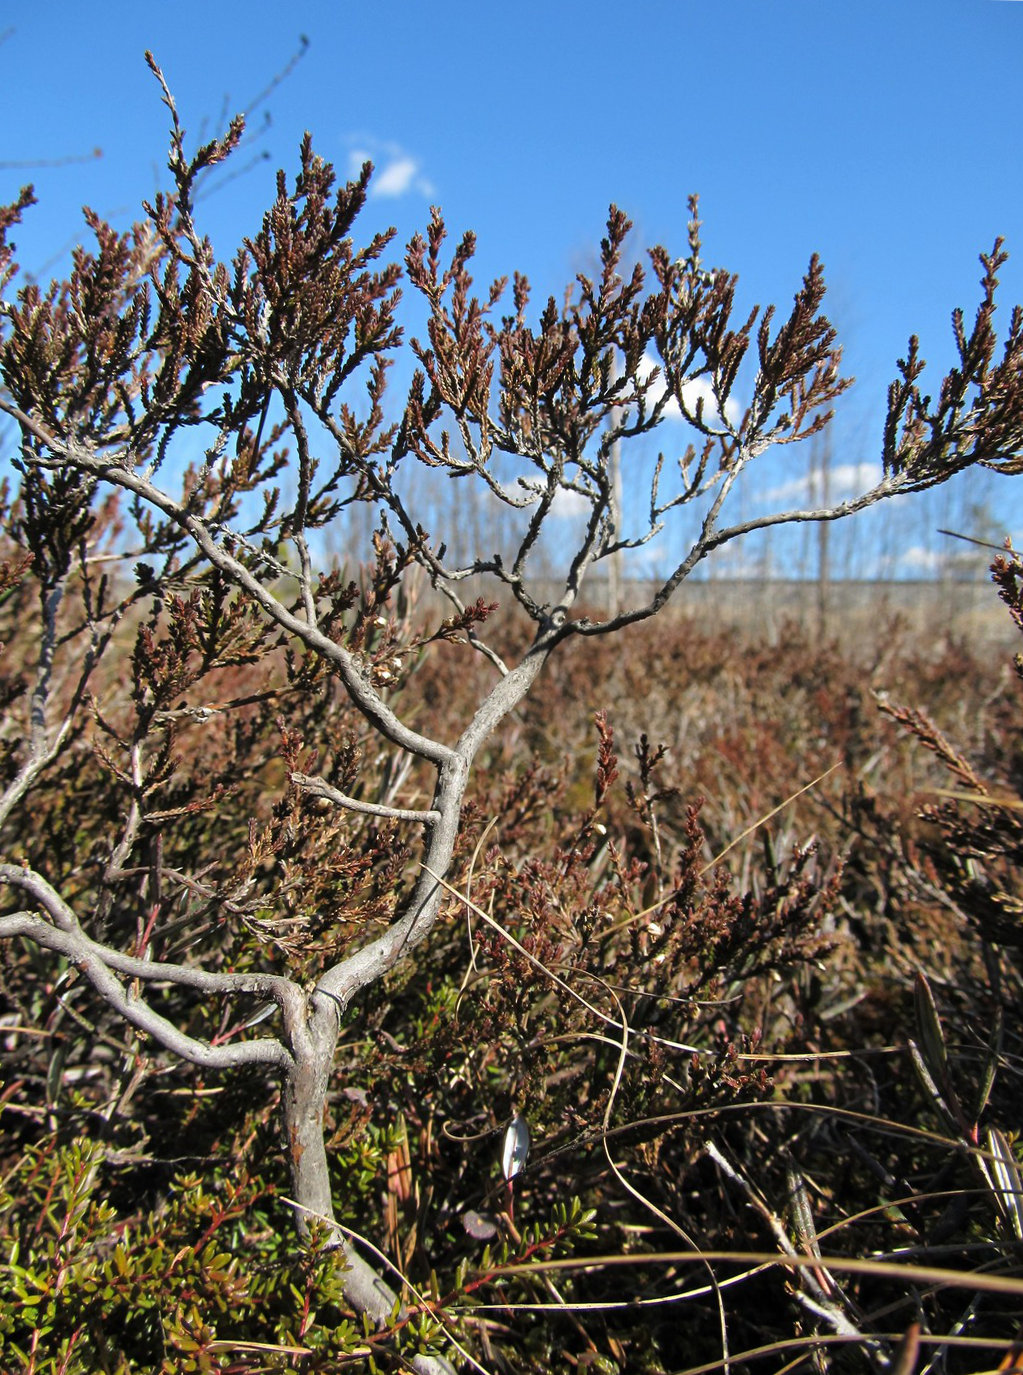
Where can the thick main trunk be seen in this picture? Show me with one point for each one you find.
(304, 1100)
(312, 1036)
(305, 1096)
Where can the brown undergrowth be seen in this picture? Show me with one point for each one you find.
(699, 937)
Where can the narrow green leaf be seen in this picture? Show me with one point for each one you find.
(931, 1036)
(928, 1085)
(802, 1213)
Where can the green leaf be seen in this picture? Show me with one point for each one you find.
(929, 1030)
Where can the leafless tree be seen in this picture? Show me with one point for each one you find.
(154, 348)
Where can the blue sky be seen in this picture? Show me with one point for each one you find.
(883, 135)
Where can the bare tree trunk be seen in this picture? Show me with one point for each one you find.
(312, 1023)
(304, 1101)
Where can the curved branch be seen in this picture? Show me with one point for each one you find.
(77, 947)
(886, 488)
(359, 689)
(711, 539)
(264, 985)
(372, 961)
(319, 787)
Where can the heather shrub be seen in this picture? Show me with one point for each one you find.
(565, 857)
(406, 875)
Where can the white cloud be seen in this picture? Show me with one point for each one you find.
(396, 172)
(567, 505)
(844, 480)
(696, 390)
(395, 178)
(917, 559)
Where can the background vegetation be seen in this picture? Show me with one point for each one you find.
(142, 1215)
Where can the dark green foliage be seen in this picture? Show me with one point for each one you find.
(192, 1285)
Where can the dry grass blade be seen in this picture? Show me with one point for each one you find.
(825, 1295)
(1012, 1363)
(905, 1348)
(1003, 1176)
(980, 799)
(768, 816)
(743, 835)
(970, 1280)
